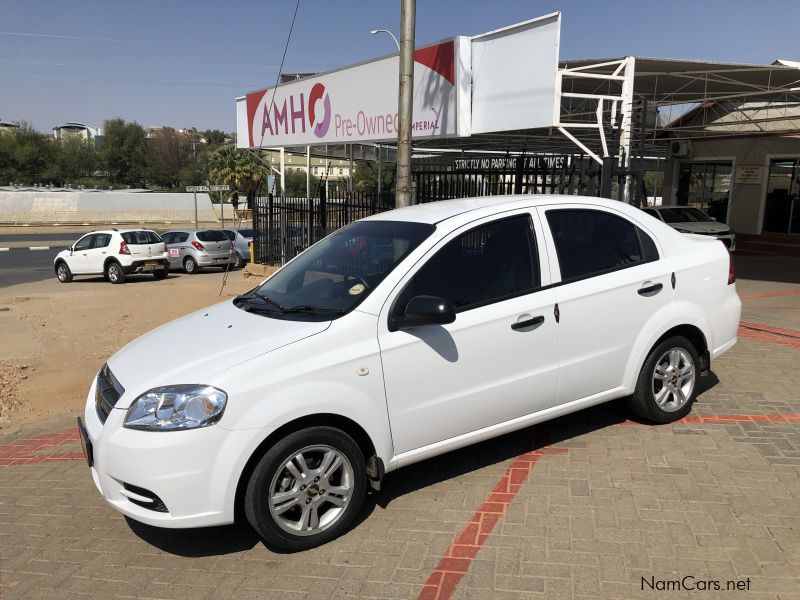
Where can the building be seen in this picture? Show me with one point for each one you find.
(72, 129)
(7, 127)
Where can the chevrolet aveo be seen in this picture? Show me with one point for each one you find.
(395, 339)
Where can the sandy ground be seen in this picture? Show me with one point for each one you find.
(54, 337)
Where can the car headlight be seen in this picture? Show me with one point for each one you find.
(176, 407)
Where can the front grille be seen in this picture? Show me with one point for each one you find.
(157, 503)
(106, 393)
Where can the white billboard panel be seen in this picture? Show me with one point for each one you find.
(354, 104)
(514, 76)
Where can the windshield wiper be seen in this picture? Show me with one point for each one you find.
(263, 298)
(310, 308)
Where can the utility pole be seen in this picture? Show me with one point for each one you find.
(405, 102)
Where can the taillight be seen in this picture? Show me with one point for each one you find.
(123, 248)
(198, 245)
(731, 270)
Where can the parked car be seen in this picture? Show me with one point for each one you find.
(241, 238)
(687, 219)
(113, 253)
(400, 337)
(193, 249)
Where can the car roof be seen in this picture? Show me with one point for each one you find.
(112, 231)
(436, 212)
(660, 206)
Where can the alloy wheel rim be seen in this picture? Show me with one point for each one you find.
(190, 265)
(62, 272)
(113, 275)
(674, 378)
(311, 491)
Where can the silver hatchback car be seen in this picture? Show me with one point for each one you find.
(193, 249)
(241, 238)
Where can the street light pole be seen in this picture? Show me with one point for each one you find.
(405, 103)
(377, 31)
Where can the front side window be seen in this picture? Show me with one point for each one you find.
(336, 274)
(590, 242)
(84, 243)
(487, 264)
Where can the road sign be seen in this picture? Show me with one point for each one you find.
(197, 188)
(219, 188)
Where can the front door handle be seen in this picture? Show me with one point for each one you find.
(528, 323)
(650, 290)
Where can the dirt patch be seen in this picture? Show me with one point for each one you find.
(57, 336)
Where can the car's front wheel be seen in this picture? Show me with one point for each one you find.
(306, 489)
(238, 261)
(668, 381)
(63, 273)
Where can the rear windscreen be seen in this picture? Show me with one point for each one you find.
(211, 236)
(141, 237)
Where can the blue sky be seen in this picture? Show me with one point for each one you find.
(181, 63)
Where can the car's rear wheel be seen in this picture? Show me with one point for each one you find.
(190, 265)
(114, 273)
(63, 273)
(668, 382)
(306, 489)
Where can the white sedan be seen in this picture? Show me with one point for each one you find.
(395, 339)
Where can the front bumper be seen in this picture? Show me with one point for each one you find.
(194, 473)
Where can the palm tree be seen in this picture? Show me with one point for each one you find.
(240, 169)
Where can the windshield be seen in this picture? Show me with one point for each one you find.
(338, 273)
(684, 215)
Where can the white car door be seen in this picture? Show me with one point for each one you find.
(611, 282)
(78, 261)
(497, 361)
(95, 256)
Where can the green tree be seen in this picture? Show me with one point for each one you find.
(365, 178)
(168, 154)
(27, 157)
(214, 137)
(75, 159)
(242, 170)
(123, 152)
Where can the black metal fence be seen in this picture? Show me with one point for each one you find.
(284, 228)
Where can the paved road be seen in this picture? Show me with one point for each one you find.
(20, 265)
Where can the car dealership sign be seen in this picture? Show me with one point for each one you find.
(498, 81)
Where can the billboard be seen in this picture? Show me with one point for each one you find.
(498, 81)
(355, 104)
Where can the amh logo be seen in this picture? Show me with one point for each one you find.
(322, 125)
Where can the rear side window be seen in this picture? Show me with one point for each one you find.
(101, 240)
(140, 237)
(487, 264)
(590, 242)
(211, 236)
(178, 237)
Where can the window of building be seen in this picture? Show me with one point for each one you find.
(706, 185)
(487, 264)
(782, 208)
(591, 242)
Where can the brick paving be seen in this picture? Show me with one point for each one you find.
(593, 505)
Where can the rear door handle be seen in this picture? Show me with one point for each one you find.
(650, 290)
(528, 323)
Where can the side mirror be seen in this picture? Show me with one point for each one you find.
(426, 310)
(71, 250)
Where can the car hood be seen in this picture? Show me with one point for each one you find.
(195, 348)
(702, 227)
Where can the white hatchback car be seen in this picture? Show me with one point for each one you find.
(398, 338)
(114, 253)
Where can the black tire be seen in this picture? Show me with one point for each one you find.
(161, 273)
(63, 273)
(190, 266)
(270, 471)
(114, 272)
(238, 262)
(652, 384)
